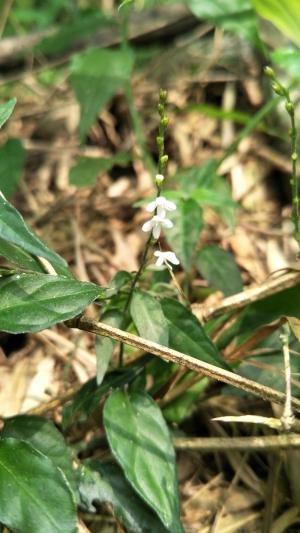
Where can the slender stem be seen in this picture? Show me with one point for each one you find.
(287, 418)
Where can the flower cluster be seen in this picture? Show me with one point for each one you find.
(160, 206)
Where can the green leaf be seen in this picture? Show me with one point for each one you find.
(148, 317)
(184, 235)
(184, 405)
(44, 437)
(269, 369)
(97, 75)
(288, 59)
(86, 170)
(34, 494)
(140, 441)
(16, 255)
(14, 230)
(258, 314)
(284, 14)
(12, 159)
(220, 269)
(85, 25)
(200, 176)
(187, 335)
(6, 110)
(32, 302)
(105, 483)
(88, 398)
(213, 198)
(236, 16)
(104, 345)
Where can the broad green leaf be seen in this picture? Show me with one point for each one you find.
(213, 198)
(34, 494)
(12, 159)
(184, 236)
(139, 439)
(14, 230)
(6, 110)
(104, 345)
(187, 335)
(288, 58)
(184, 405)
(17, 255)
(97, 75)
(105, 483)
(258, 314)
(32, 302)
(88, 398)
(284, 14)
(235, 16)
(44, 437)
(148, 317)
(269, 369)
(200, 176)
(85, 25)
(219, 268)
(86, 170)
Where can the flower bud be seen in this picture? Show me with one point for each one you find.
(164, 121)
(163, 95)
(159, 178)
(160, 108)
(159, 141)
(278, 89)
(164, 160)
(294, 156)
(289, 107)
(269, 72)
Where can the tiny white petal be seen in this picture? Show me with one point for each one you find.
(167, 223)
(151, 207)
(156, 231)
(170, 256)
(161, 211)
(170, 206)
(148, 225)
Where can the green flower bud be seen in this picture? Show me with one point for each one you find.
(164, 121)
(160, 108)
(164, 160)
(278, 89)
(294, 156)
(290, 107)
(163, 95)
(269, 72)
(159, 141)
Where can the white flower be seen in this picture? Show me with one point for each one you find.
(156, 224)
(162, 205)
(165, 258)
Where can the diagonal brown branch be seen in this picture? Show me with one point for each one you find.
(174, 356)
(271, 286)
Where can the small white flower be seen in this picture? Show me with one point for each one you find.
(165, 258)
(162, 205)
(156, 224)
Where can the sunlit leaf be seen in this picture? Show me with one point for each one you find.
(14, 230)
(96, 76)
(34, 493)
(220, 269)
(149, 318)
(6, 110)
(140, 441)
(32, 302)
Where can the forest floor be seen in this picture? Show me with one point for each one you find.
(98, 231)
